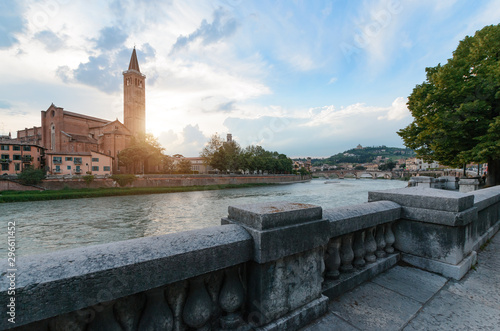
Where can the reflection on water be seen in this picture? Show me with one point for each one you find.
(45, 226)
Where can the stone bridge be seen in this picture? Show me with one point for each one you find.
(270, 266)
(358, 174)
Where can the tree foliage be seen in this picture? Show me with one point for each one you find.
(143, 150)
(123, 180)
(31, 176)
(183, 166)
(230, 157)
(456, 110)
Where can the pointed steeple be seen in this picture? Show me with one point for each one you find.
(134, 64)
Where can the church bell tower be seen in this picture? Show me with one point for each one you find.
(134, 97)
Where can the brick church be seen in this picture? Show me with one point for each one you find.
(77, 144)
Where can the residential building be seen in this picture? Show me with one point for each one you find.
(79, 163)
(16, 156)
(416, 164)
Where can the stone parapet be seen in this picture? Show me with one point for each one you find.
(442, 228)
(268, 267)
(425, 198)
(84, 278)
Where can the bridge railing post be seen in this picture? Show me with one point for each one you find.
(285, 276)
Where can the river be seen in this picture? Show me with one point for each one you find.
(45, 226)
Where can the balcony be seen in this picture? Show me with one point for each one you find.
(27, 158)
(78, 171)
(75, 161)
(5, 160)
(57, 161)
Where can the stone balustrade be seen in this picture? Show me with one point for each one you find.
(361, 244)
(270, 266)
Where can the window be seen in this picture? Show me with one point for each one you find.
(106, 168)
(68, 167)
(5, 156)
(68, 158)
(95, 159)
(77, 160)
(4, 147)
(5, 166)
(16, 157)
(57, 159)
(78, 170)
(58, 168)
(16, 148)
(17, 166)
(95, 168)
(27, 148)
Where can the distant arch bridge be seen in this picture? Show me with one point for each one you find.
(341, 174)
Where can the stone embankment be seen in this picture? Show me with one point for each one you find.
(172, 180)
(270, 266)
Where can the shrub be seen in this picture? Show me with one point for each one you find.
(123, 180)
(31, 176)
(88, 179)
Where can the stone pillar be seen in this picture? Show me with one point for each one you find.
(468, 185)
(285, 276)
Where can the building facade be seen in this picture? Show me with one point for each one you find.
(16, 156)
(79, 163)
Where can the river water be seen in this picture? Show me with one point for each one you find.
(45, 226)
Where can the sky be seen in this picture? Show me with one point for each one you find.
(304, 78)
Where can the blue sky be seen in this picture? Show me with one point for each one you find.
(305, 78)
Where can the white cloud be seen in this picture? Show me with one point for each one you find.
(397, 111)
(324, 130)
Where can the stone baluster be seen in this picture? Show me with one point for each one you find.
(332, 261)
(176, 297)
(231, 299)
(128, 311)
(104, 319)
(389, 238)
(379, 238)
(346, 253)
(359, 250)
(370, 246)
(198, 307)
(157, 314)
(76, 321)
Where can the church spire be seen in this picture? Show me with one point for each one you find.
(134, 64)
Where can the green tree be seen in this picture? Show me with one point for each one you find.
(456, 110)
(389, 165)
(31, 176)
(183, 166)
(168, 164)
(144, 151)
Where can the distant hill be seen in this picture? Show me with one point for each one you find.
(366, 155)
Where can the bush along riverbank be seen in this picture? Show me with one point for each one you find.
(23, 196)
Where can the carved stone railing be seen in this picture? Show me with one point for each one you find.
(441, 230)
(270, 266)
(361, 244)
(194, 279)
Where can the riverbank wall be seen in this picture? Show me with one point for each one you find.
(172, 181)
(7, 185)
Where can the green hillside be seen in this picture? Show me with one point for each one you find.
(366, 155)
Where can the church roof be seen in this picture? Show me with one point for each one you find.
(134, 64)
(80, 138)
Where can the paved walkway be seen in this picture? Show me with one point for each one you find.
(406, 298)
